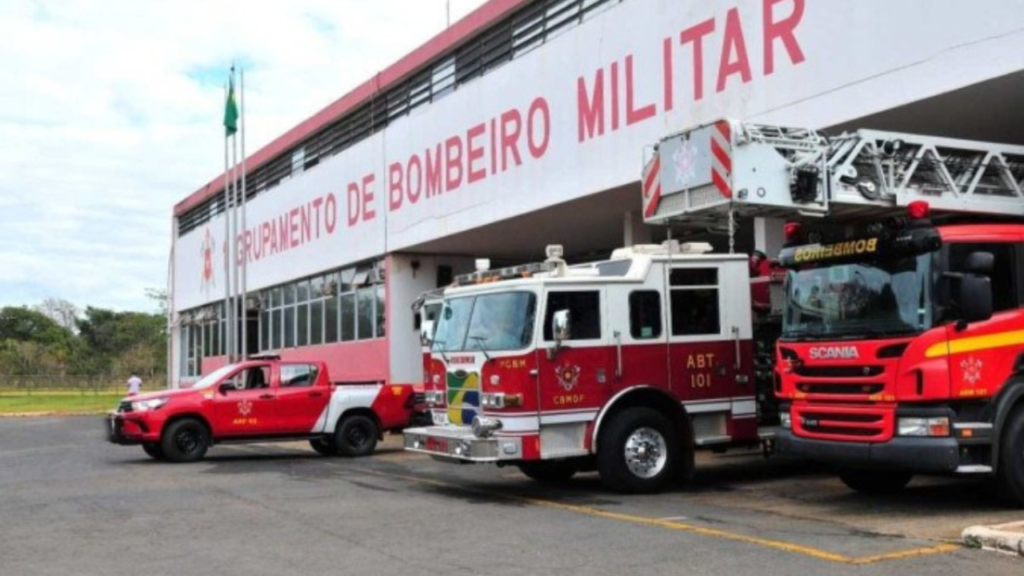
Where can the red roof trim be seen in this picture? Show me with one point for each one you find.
(459, 32)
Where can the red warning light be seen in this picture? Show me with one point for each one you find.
(918, 210)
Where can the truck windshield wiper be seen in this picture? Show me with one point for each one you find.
(480, 345)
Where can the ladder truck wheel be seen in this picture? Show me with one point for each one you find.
(548, 471)
(324, 446)
(638, 452)
(356, 436)
(1011, 459)
(876, 482)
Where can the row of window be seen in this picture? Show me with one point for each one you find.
(341, 306)
(524, 30)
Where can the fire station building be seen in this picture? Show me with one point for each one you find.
(528, 123)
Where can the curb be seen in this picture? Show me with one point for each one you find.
(1006, 538)
(48, 414)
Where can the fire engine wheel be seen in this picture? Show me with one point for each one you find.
(324, 446)
(638, 452)
(185, 441)
(356, 436)
(549, 471)
(1011, 459)
(154, 450)
(875, 481)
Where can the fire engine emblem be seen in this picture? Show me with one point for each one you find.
(244, 407)
(568, 376)
(685, 161)
(206, 253)
(971, 368)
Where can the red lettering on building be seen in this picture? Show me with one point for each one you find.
(784, 30)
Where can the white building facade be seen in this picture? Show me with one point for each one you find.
(528, 123)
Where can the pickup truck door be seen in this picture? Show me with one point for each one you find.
(247, 405)
(302, 395)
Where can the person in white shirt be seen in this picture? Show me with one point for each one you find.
(134, 385)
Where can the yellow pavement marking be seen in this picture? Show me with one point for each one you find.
(684, 527)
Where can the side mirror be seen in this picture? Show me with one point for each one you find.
(974, 296)
(980, 263)
(561, 320)
(226, 387)
(560, 325)
(426, 333)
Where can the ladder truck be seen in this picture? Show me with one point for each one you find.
(901, 349)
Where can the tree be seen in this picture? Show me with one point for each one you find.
(64, 313)
(109, 335)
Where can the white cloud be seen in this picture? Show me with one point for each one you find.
(110, 114)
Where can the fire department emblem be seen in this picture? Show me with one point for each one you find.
(685, 161)
(206, 253)
(568, 376)
(971, 369)
(245, 407)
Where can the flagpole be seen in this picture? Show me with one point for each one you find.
(245, 250)
(226, 337)
(234, 236)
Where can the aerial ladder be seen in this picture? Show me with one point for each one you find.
(718, 172)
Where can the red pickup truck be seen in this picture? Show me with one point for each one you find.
(260, 400)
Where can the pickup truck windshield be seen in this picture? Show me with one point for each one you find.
(859, 300)
(212, 377)
(489, 322)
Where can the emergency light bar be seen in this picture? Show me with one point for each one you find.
(509, 273)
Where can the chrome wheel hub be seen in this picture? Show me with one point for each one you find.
(646, 452)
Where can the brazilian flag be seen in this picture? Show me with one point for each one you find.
(231, 108)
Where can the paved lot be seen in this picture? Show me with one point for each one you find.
(73, 504)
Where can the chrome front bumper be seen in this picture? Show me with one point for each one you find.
(459, 444)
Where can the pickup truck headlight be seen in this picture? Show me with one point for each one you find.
(938, 426)
(145, 405)
(785, 419)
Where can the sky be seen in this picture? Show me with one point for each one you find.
(111, 112)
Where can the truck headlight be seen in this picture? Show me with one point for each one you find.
(433, 397)
(500, 400)
(144, 405)
(785, 419)
(913, 426)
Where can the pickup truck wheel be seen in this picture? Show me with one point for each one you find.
(185, 441)
(154, 450)
(1010, 476)
(356, 436)
(324, 446)
(875, 481)
(638, 452)
(548, 471)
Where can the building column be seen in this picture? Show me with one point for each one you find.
(768, 235)
(634, 231)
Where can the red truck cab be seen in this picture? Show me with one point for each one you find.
(902, 352)
(263, 399)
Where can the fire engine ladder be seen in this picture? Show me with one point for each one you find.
(729, 169)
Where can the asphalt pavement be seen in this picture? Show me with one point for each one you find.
(73, 504)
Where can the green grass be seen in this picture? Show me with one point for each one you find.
(59, 402)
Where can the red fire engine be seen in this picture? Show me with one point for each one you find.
(902, 345)
(625, 365)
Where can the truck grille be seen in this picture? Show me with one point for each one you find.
(851, 423)
(840, 388)
(837, 371)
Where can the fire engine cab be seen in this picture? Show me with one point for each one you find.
(902, 343)
(625, 366)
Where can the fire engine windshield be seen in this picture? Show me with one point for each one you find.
(859, 300)
(489, 322)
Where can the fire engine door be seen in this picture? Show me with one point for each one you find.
(576, 374)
